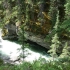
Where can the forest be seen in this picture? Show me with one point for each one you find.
(44, 22)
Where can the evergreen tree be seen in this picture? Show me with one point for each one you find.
(21, 20)
(1, 13)
(67, 9)
(21, 10)
(65, 51)
(65, 26)
(65, 55)
(55, 40)
(7, 11)
(41, 18)
(27, 14)
(53, 11)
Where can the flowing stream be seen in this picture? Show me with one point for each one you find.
(9, 52)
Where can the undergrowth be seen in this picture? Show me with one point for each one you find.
(40, 64)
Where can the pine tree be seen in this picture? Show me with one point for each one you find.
(55, 40)
(1, 14)
(21, 9)
(67, 9)
(41, 10)
(67, 15)
(27, 14)
(65, 55)
(21, 32)
(66, 27)
(66, 23)
(7, 11)
(53, 11)
(65, 52)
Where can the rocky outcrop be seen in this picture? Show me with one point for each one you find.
(9, 31)
(37, 39)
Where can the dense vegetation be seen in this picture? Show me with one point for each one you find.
(40, 64)
(49, 18)
(38, 17)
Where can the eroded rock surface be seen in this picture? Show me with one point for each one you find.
(37, 38)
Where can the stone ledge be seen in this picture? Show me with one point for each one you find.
(36, 38)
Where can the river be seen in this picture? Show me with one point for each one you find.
(10, 52)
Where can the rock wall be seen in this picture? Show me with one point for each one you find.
(37, 38)
(9, 31)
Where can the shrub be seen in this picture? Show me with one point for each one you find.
(40, 64)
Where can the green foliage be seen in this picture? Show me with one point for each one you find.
(8, 67)
(20, 10)
(27, 15)
(66, 25)
(37, 65)
(55, 40)
(65, 55)
(53, 11)
(54, 46)
(1, 61)
(22, 37)
(67, 9)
